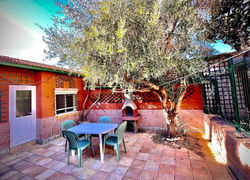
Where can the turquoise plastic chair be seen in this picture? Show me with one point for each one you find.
(76, 144)
(65, 126)
(116, 139)
(104, 119)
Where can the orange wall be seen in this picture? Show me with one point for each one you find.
(46, 83)
(46, 94)
(81, 93)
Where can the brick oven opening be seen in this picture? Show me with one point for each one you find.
(129, 111)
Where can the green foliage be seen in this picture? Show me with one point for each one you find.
(106, 39)
(229, 21)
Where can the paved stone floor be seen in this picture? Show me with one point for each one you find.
(144, 160)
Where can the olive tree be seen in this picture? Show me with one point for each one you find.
(142, 45)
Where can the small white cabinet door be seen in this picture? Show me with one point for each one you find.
(22, 114)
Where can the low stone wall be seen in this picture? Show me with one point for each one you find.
(233, 148)
(49, 129)
(4, 137)
(154, 119)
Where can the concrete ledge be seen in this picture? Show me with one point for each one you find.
(233, 148)
(45, 141)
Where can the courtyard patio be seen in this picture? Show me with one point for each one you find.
(144, 160)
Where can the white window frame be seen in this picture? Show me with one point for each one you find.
(63, 91)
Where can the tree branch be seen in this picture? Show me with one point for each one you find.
(132, 81)
(169, 38)
(92, 105)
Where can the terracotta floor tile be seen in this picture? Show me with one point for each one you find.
(58, 166)
(151, 165)
(24, 155)
(100, 175)
(166, 168)
(133, 172)
(198, 164)
(4, 169)
(21, 165)
(46, 174)
(87, 174)
(154, 157)
(7, 158)
(156, 151)
(201, 174)
(141, 161)
(67, 169)
(127, 178)
(163, 176)
(113, 176)
(59, 156)
(167, 160)
(142, 156)
(61, 176)
(33, 170)
(17, 176)
(148, 175)
(76, 171)
(183, 171)
(97, 164)
(8, 174)
(120, 170)
(126, 161)
(183, 162)
(42, 161)
(109, 166)
(177, 177)
(33, 159)
(145, 150)
(27, 178)
(48, 153)
(181, 154)
(138, 163)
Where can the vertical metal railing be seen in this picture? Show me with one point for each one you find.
(227, 90)
(234, 95)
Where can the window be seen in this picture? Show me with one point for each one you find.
(23, 103)
(66, 101)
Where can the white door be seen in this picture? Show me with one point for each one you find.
(22, 114)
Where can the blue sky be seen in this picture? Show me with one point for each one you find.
(21, 38)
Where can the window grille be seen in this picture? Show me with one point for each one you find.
(12, 77)
(62, 79)
(107, 98)
(3, 105)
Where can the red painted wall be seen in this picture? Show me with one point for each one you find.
(194, 101)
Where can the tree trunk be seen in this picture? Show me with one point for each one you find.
(172, 129)
(84, 114)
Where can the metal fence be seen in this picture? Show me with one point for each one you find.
(227, 89)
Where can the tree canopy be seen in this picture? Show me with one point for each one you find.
(144, 38)
(128, 44)
(229, 22)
